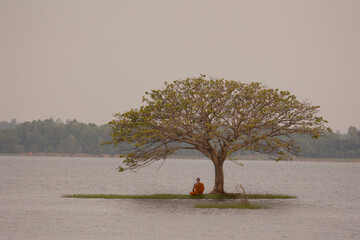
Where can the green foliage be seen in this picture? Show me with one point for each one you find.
(332, 145)
(48, 136)
(7, 125)
(215, 117)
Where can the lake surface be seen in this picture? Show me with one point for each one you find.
(32, 207)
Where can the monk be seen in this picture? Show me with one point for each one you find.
(198, 188)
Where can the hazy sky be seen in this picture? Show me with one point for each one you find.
(86, 60)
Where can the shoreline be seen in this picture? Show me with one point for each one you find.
(250, 158)
(325, 160)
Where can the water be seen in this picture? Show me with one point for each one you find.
(31, 206)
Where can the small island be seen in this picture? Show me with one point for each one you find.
(240, 199)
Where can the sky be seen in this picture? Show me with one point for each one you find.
(87, 60)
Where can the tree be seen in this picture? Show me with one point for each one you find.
(354, 135)
(7, 125)
(216, 117)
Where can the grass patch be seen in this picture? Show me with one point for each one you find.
(117, 196)
(269, 196)
(230, 205)
(180, 196)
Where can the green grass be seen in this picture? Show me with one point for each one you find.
(230, 205)
(180, 196)
(269, 196)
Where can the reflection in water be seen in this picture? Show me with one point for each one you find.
(31, 206)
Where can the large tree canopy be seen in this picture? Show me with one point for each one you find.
(216, 117)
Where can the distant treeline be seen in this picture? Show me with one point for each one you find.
(51, 137)
(73, 137)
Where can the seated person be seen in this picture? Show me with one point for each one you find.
(198, 188)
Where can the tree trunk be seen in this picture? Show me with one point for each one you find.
(219, 178)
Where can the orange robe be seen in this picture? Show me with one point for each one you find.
(198, 189)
